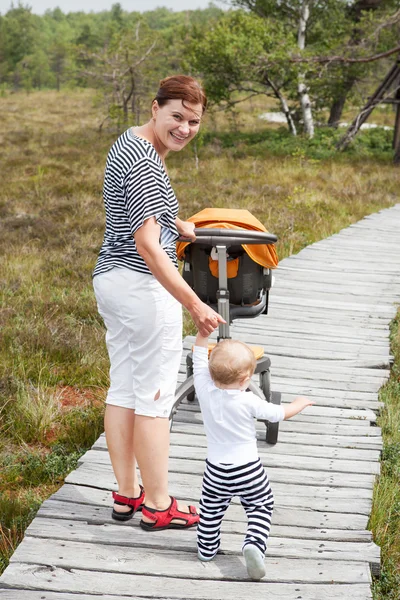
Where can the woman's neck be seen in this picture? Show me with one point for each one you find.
(146, 132)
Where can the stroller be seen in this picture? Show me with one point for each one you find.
(217, 266)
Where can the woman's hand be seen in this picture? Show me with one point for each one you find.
(186, 229)
(205, 318)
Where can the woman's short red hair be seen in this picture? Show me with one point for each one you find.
(181, 87)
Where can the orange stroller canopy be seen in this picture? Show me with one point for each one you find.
(232, 218)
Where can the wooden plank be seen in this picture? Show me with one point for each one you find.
(95, 498)
(181, 439)
(193, 416)
(290, 323)
(334, 441)
(132, 535)
(357, 388)
(278, 377)
(300, 418)
(350, 308)
(336, 266)
(355, 255)
(339, 401)
(350, 238)
(311, 349)
(347, 360)
(365, 367)
(322, 254)
(298, 329)
(233, 522)
(184, 485)
(294, 386)
(350, 259)
(191, 460)
(321, 379)
(47, 578)
(342, 317)
(351, 430)
(319, 346)
(325, 414)
(368, 281)
(354, 291)
(322, 293)
(109, 559)
(186, 459)
(183, 472)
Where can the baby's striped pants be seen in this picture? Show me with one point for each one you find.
(220, 484)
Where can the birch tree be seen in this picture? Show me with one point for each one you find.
(305, 102)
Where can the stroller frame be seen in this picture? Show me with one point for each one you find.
(221, 240)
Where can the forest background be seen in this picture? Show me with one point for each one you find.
(68, 84)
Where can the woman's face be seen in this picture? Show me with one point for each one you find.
(175, 124)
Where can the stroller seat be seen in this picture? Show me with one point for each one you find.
(247, 281)
(248, 268)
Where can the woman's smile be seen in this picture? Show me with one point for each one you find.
(179, 137)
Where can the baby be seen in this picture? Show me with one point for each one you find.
(233, 467)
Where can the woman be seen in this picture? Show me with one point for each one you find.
(139, 294)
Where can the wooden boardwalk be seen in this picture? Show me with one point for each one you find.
(327, 336)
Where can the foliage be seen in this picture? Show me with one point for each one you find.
(237, 53)
(257, 49)
(16, 513)
(124, 71)
(50, 51)
(278, 142)
(385, 514)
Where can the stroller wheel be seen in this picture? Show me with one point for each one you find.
(273, 428)
(191, 397)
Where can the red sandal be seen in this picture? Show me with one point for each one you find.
(163, 518)
(134, 503)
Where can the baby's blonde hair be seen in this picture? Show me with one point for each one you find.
(231, 361)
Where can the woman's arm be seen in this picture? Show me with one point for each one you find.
(148, 245)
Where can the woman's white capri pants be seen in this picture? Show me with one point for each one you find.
(144, 340)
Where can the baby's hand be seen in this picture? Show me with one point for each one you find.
(302, 402)
(297, 406)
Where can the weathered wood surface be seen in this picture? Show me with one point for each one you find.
(327, 334)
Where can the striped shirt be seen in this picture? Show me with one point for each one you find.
(136, 187)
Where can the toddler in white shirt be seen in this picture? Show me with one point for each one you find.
(233, 467)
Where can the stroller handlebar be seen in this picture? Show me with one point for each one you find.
(230, 237)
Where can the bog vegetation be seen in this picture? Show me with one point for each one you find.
(59, 114)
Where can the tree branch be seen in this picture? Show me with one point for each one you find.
(343, 59)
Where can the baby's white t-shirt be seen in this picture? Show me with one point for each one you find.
(228, 416)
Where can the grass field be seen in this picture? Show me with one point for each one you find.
(53, 363)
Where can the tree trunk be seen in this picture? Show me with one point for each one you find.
(284, 104)
(387, 84)
(302, 88)
(337, 110)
